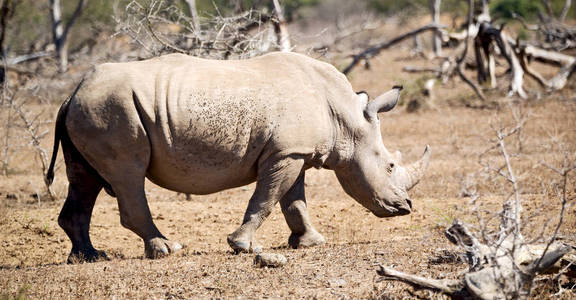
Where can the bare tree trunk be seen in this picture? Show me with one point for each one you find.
(436, 41)
(485, 15)
(517, 81)
(60, 32)
(417, 50)
(480, 65)
(565, 10)
(5, 13)
(549, 10)
(194, 15)
(491, 66)
(471, 33)
(281, 30)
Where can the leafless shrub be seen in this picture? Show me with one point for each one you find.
(160, 28)
(21, 120)
(503, 263)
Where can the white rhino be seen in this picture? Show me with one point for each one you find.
(201, 126)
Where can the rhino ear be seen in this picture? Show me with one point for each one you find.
(362, 97)
(383, 103)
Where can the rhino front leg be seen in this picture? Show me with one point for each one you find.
(275, 179)
(294, 209)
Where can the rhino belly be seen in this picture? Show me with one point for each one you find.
(205, 159)
(197, 180)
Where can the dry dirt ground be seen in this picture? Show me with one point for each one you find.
(33, 249)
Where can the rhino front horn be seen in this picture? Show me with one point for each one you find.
(416, 169)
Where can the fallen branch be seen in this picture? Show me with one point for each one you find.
(567, 66)
(448, 286)
(413, 69)
(375, 50)
(27, 57)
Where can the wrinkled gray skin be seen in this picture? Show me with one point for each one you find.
(201, 126)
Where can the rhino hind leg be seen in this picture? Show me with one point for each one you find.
(296, 214)
(275, 178)
(135, 215)
(85, 185)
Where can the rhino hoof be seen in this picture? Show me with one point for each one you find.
(160, 247)
(243, 247)
(86, 256)
(309, 239)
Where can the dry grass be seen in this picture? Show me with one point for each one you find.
(33, 249)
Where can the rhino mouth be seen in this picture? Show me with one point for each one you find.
(386, 211)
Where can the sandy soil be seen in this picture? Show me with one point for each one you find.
(33, 249)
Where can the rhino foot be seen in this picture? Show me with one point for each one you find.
(86, 256)
(159, 247)
(308, 239)
(242, 246)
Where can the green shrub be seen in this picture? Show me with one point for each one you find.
(503, 9)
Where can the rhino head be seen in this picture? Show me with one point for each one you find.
(370, 174)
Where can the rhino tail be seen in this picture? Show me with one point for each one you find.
(59, 133)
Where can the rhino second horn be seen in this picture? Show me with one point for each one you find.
(416, 169)
(384, 102)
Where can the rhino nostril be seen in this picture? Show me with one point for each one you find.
(409, 203)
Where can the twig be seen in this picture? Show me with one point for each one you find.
(566, 169)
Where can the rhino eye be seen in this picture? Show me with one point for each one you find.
(390, 168)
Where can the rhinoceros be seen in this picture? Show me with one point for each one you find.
(200, 126)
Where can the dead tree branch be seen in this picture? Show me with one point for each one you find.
(565, 10)
(548, 8)
(447, 286)
(159, 27)
(488, 43)
(436, 38)
(194, 14)
(31, 125)
(281, 29)
(375, 50)
(470, 36)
